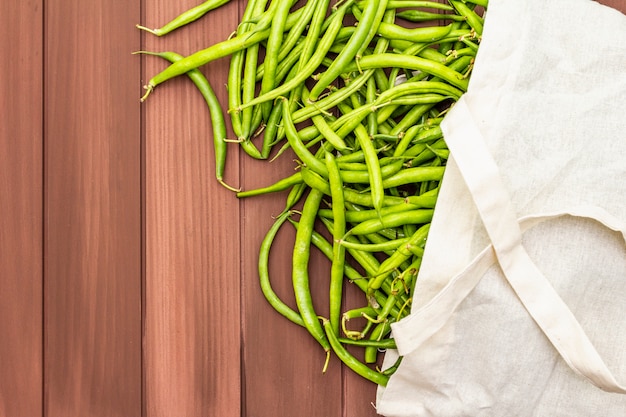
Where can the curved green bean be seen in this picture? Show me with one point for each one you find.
(264, 276)
(186, 17)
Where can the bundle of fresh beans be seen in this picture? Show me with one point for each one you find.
(356, 90)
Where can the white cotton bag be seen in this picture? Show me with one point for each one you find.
(520, 302)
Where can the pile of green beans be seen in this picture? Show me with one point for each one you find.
(356, 89)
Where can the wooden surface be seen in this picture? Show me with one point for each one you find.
(128, 277)
(92, 211)
(21, 230)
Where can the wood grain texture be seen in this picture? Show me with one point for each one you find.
(192, 318)
(21, 209)
(283, 364)
(93, 213)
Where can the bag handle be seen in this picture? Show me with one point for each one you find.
(481, 174)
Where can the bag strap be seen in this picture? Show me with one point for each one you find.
(481, 174)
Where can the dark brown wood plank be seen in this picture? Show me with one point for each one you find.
(93, 213)
(192, 323)
(20, 209)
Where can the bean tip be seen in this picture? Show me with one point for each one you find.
(149, 88)
(229, 187)
(156, 32)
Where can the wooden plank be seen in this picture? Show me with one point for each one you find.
(283, 363)
(616, 4)
(192, 345)
(92, 219)
(20, 209)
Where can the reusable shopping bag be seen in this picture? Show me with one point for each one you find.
(520, 303)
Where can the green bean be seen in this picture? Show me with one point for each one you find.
(412, 63)
(361, 215)
(439, 153)
(433, 55)
(425, 200)
(215, 110)
(419, 216)
(412, 48)
(388, 111)
(272, 49)
(411, 117)
(372, 123)
(352, 157)
(373, 167)
(186, 17)
(482, 3)
(362, 176)
(236, 67)
(365, 199)
(213, 52)
(375, 247)
(349, 360)
(472, 47)
(329, 133)
(250, 148)
(204, 56)
(337, 95)
(427, 34)
(407, 139)
(294, 35)
(426, 154)
(310, 66)
(320, 242)
(295, 194)
(398, 4)
(280, 185)
(234, 89)
(319, 23)
(300, 265)
(372, 15)
(389, 264)
(379, 344)
(352, 314)
(367, 260)
(379, 331)
(264, 276)
(472, 18)
(285, 66)
(392, 369)
(414, 175)
(307, 158)
(448, 44)
(409, 229)
(339, 229)
(249, 67)
(421, 16)
(248, 90)
(264, 20)
(270, 129)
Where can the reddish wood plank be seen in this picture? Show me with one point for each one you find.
(283, 363)
(192, 345)
(616, 4)
(93, 213)
(21, 209)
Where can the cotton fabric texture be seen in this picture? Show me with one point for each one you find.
(519, 307)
